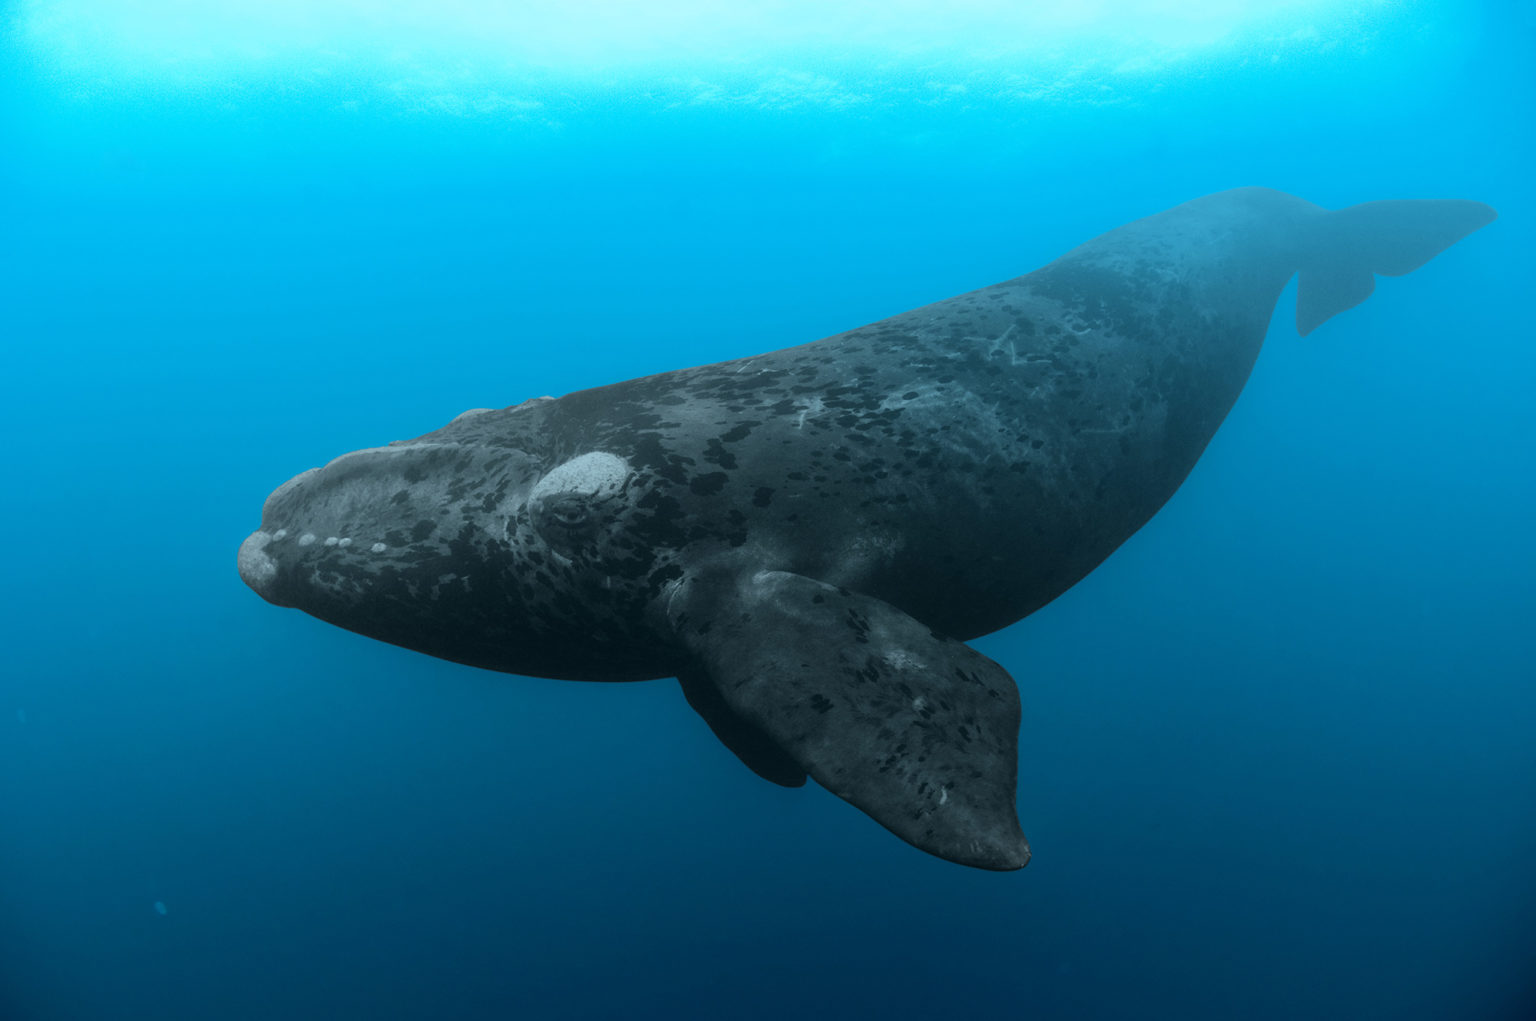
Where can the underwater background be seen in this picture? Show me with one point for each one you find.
(1278, 756)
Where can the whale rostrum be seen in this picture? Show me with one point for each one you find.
(807, 538)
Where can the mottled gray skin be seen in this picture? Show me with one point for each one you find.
(942, 473)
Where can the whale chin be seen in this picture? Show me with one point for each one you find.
(257, 568)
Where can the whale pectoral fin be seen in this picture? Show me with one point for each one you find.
(1347, 248)
(917, 730)
(757, 751)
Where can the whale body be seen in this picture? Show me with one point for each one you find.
(806, 538)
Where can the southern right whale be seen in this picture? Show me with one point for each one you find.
(805, 538)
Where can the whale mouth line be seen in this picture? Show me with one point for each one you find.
(268, 508)
(398, 447)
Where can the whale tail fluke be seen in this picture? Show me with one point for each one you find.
(1348, 247)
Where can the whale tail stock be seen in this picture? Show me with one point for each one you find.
(1344, 250)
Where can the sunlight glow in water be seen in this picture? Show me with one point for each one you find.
(604, 32)
(468, 56)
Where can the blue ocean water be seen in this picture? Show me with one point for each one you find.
(1277, 757)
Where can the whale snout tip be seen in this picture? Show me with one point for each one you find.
(1009, 856)
(1006, 851)
(256, 566)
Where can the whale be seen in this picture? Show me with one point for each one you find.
(807, 538)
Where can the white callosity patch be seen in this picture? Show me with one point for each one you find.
(255, 566)
(377, 547)
(344, 543)
(307, 539)
(570, 506)
(470, 414)
(595, 473)
(331, 540)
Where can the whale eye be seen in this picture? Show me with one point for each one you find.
(567, 510)
(572, 505)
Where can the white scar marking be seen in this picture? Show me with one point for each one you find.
(814, 406)
(919, 704)
(307, 539)
(997, 345)
(377, 547)
(943, 795)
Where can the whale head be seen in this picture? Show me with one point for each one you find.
(465, 547)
